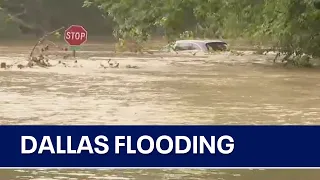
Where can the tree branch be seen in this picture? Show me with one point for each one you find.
(42, 39)
(17, 20)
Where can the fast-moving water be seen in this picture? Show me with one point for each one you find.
(164, 90)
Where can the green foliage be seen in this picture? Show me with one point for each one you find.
(57, 35)
(39, 16)
(316, 4)
(136, 19)
(187, 35)
(292, 26)
(7, 29)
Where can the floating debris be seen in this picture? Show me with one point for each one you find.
(133, 67)
(3, 65)
(20, 66)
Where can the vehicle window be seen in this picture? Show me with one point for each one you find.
(216, 46)
(183, 46)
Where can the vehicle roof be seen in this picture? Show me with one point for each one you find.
(200, 41)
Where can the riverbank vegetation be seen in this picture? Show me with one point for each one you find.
(290, 27)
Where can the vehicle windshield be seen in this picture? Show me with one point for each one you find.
(213, 46)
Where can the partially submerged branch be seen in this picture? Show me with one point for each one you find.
(42, 39)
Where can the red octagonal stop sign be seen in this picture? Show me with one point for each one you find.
(75, 35)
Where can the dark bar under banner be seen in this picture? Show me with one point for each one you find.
(160, 146)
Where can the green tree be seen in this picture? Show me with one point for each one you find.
(291, 25)
(316, 4)
(40, 16)
(8, 29)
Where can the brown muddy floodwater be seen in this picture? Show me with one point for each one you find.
(220, 89)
